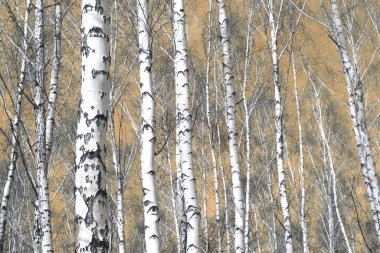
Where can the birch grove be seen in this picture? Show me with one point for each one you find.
(230, 126)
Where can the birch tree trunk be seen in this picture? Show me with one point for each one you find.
(279, 131)
(15, 134)
(54, 79)
(247, 130)
(90, 185)
(357, 111)
(305, 241)
(231, 128)
(116, 162)
(184, 134)
(210, 133)
(39, 101)
(151, 212)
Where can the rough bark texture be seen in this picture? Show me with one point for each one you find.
(39, 102)
(231, 128)
(184, 134)
(90, 185)
(151, 212)
(15, 134)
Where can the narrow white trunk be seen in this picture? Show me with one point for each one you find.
(151, 213)
(305, 243)
(279, 132)
(231, 128)
(247, 132)
(90, 186)
(184, 134)
(210, 134)
(39, 101)
(54, 79)
(15, 134)
(357, 111)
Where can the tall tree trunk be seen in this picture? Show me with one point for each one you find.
(39, 102)
(54, 79)
(184, 134)
(231, 128)
(151, 212)
(15, 133)
(247, 131)
(279, 131)
(90, 185)
(210, 133)
(357, 111)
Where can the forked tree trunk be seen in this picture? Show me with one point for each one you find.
(151, 213)
(184, 134)
(90, 186)
(15, 133)
(231, 128)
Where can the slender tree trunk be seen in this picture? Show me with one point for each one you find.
(90, 185)
(184, 134)
(54, 79)
(279, 132)
(151, 212)
(357, 111)
(232, 133)
(247, 132)
(15, 134)
(116, 162)
(305, 241)
(210, 133)
(39, 101)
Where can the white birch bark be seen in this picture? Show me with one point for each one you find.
(151, 212)
(247, 131)
(184, 134)
(210, 133)
(15, 133)
(231, 128)
(54, 79)
(305, 241)
(279, 131)
(39, 101)
(90, 185)
(357, 111)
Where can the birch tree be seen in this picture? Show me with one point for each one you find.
(39, 105)
(90, 186)
(184, 134)
(274, 28)
(54, 78)
(357, 111)
(16, 131)
(151, 213)
(231, 128)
